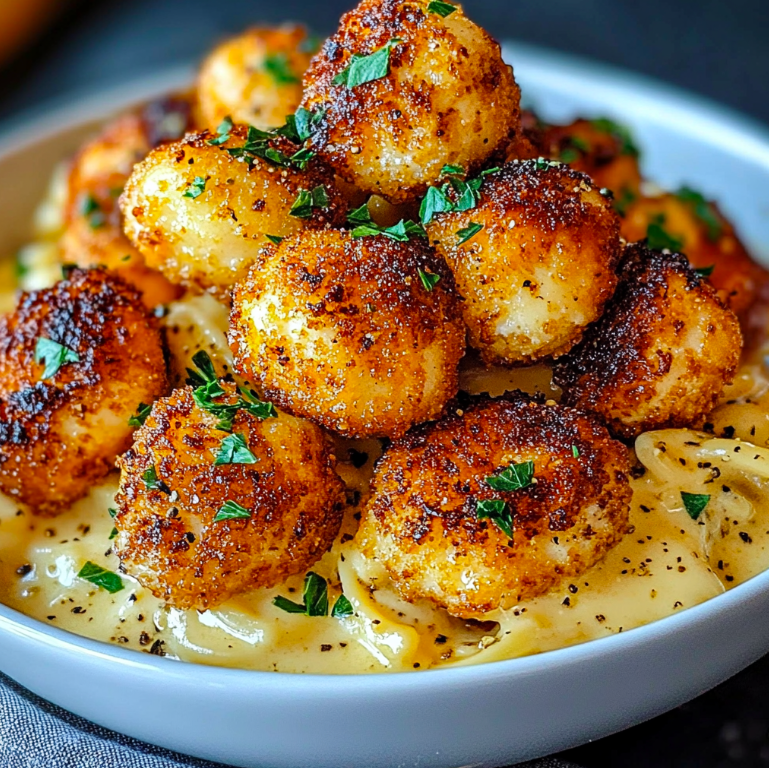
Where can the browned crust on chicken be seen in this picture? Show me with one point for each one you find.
(662, 352)
(60, 436)
(342, 330)
(422, 522)
(168, 537)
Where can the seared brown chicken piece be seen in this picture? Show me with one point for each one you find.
(203, 514)
(534, 260)
(255, 78)
(687, 222)
(93, 233)
(662, 352)
(76, 360)
(362, 335)
(200, 209)
(405, 91)
(496, 503)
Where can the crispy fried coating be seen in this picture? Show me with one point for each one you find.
(542, 266)
(662, 352)
(205, 234)
(255, 78)
(93, 233)
(343, 331)
(168, 534)
(422, 520)
(707, 238)
(446, 97)
(60, 435)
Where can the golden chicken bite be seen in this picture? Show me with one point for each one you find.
(662, 352)
(362, 335)
(685, 221)
(203, 514)
(255, 78)
(534, 260)
(432, 91)
(76, 361)
(200, 209)
(93, 233)
(496, 503)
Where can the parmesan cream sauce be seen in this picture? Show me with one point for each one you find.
(668, 562)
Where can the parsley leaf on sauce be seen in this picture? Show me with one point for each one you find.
(101, 577)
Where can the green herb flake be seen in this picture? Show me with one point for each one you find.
(620, 132)
(307, 201)
(440, 8)
(694, 503)
(435, 201)
(429, 280)
(453, 170)
(275, 239)
(498, 512)
(659, 239)
(90, 208)
(234, 450)
(231, 510)
(278, 67)
(342, 608)
(138, 419)
(575, 451)
(301, 125)
(101, 577)
(150, 478)
(513, 478)
(468, 232)
(112, 512)
(704, 210)
(197, 187)
(705, 271)
(112, 534)
(543, 164)
(55, 356)
(222, 133)
(289, 606)
(366, 69)
(315, 598)
(252, 404)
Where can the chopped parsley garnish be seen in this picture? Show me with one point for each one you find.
(704, 211)
(625, 199)
(277, 66)
(342, 608)
(197, 187)
(150, 478)
(274, 239)
(364, 226)
(234, 450)
(222, 133)
(55, 356)
(575, 451)
(138, 419)
(365, 69)
(441, 8)
(429, 280)
(573, 149)
(453, 170)
(468, 232)
(705, 271)
(694, 503)
(315, 598)
(542, 164)
(513, 478)
(113, 532)
(466, 192)
(306, 202)
(90, 208)
(620, 132)
(231, 510)
(301, 125)
(435, 201)
(659, 239)
(498, 512)
(101, 577)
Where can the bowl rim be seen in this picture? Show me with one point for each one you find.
(710, 121)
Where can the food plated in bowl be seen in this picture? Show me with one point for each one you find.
(584, 446)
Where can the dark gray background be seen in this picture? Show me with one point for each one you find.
(716, 48)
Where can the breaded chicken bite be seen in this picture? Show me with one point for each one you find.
(203, 514)
(362, 335)
(685, 221)
(76, 361)
(200, 210)
(93, 233)
(534, 259)
(404, 90)
(662, 352)
(255, 78)
(496, 503)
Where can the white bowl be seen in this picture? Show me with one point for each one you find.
(490, 714)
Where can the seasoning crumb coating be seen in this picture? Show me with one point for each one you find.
(421, 522)
(209, 241)
(343, 331)
(254, 78)
(662, 352)
(93, 233)
(61, 435)
(447, 97)
(168, 537)
(541, 268)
